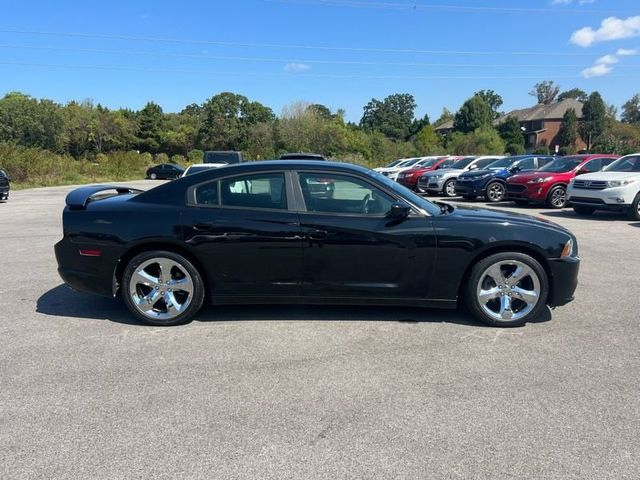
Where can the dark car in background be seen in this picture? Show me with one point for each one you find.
(5, 185)
(258, 233)
(491, 182)
(228, 157)
(548, 184)
(165, 171)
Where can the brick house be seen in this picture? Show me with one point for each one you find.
(541, 124)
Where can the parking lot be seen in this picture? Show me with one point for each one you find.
(315, 392)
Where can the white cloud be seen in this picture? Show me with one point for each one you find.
(296, 67)
(611, 28)
(604, 65)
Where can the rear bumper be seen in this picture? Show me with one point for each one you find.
(564, 280)
(85, 274)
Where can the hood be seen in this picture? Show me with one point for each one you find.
(482, 173)
(487, 214)
(603, 176)
(444, 171)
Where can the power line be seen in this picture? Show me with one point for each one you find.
(287, 46)
(287, 60)
(282, 74)
(444, 7)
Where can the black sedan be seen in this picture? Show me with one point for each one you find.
(165, 171)
(261, 233)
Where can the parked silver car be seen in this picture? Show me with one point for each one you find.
(444, 181)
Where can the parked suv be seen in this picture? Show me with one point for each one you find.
(549, 184)
(491, 182)
(616, 188)
(409, 178)
(444, 181)
(5, 185)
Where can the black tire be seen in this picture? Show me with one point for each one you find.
(495, 192)
(582, 210)
(197, 295)
(471, 198)
(557, 197)
(522, 203)
(470, 289)
(448, 189)
(634, 211)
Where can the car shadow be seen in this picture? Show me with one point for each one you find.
(62, 301)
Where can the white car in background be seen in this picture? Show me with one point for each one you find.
(392, 164)
(392, 172)
(202, 167)
(403, 168)
(616, 188)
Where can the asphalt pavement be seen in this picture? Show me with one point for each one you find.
(290, 392)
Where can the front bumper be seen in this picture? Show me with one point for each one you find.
(564, 280)
(619, 198)
(469, 188)
(432, 184)
(534, 192)
(409, 182)
(4, 193)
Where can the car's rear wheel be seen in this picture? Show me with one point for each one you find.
(495, 192)
(582, 210)
(153, 176)
(634, 211)
(449, 188)
(557, 197)
(507, 289)
(162, 288)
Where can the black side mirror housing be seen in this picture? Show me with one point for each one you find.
(399, 210)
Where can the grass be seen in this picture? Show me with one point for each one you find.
(33, 167)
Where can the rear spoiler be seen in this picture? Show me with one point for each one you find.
(80, 197)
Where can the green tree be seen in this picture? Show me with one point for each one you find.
(475, 113)
(427, 141)
(444, 117)
(568, 134)
(575, 93)
(482, 141)
(150, 124)
(546, 92)
(631, 110)
(594, 119)
(493, 100)
(512, 135)
(393, 116)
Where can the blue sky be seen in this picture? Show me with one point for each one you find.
(340, 53)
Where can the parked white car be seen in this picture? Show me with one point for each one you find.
(392, 164)
(616, 188)
(393, 171)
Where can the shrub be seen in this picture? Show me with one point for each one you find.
(195, 156)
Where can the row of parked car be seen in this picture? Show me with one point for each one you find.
(587, 182)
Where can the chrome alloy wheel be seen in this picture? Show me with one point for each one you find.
(508, 290)
(450, 188)
(161, 288)
(495, 192)
(559, 197)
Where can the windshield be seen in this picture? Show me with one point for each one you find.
(397, 162)
(413, 161)
(564, 164)
(428, 163)
(463, 163)
(431, 208)
(625, 164)
(502, 163)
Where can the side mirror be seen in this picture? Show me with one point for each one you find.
(473, 167)
(582, 171)
(515, 168)
(399, 210)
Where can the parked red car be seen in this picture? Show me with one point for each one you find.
(409, 178)
(549, 183)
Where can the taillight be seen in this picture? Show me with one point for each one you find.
(90, 253)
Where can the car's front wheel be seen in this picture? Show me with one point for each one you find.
(495, 192)
(634, 211)
(162, 288)
(557, 197)
(449, 188)
(507, 289)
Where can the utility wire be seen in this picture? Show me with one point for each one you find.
(286, 60)
(281, 74)
(286, 46)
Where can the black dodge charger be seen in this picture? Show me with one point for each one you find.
(260, 232)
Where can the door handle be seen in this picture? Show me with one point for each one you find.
(317, 234)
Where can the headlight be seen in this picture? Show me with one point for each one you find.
(540, 180)
(567, 251)
(618, 183)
